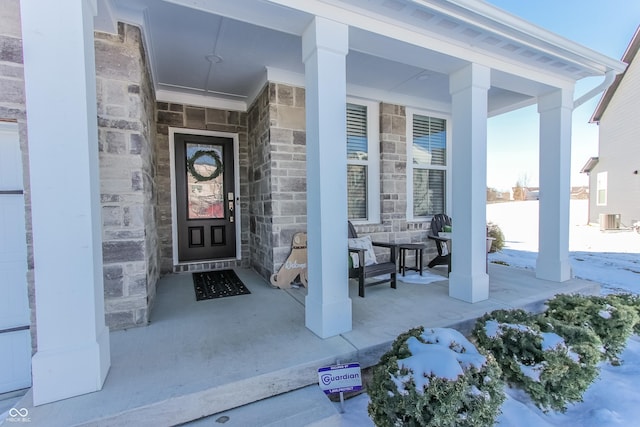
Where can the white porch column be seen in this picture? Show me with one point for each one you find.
(328, 306)
(555, 111)
(73, 343)
(468, 280)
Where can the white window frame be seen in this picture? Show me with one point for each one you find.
(601, 184)
(410, 112)
(372, 162)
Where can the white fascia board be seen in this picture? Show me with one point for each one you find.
(432, 41)
(163, 95)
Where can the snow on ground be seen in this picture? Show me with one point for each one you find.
(611, 258)
(424, 279)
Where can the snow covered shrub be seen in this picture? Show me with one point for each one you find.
(437, 378)
(494, 231)
(610, 319)
(552, 361)
(630, 300)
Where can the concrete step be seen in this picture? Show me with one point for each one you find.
(308, 406)
(287, 397)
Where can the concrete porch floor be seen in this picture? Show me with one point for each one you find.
(198, 358)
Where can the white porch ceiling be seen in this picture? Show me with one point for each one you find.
(222, 49)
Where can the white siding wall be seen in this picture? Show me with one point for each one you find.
(620, 150)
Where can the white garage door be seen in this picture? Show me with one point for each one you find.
(15, 339)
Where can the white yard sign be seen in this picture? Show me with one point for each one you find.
(340, 378)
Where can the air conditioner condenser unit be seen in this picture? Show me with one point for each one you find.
(609, 222)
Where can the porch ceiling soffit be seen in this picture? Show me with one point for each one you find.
(188, 51)
(256, 54)
(392, 35)
(398, 72)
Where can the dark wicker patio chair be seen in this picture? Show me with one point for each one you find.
(444, 255)
(363, 272)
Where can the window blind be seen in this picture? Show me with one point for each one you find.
(429, 141)
(357, 132)
(357, 191)
(428, 192)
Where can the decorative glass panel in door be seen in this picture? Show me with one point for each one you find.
(205, 181)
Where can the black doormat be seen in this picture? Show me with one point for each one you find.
(218, 284)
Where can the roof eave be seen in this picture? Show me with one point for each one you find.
(526, 32)
(628, 57)
(591, 163)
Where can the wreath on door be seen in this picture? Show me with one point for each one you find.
(191, 161)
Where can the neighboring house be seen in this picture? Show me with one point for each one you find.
(295, 115)
(581, 192)
(614, 176)
(525, 193)
(494, 195)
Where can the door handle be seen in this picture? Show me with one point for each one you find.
(230, 197)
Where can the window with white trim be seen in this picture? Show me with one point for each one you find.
(601, 189)
(427, 166)
(363, 188)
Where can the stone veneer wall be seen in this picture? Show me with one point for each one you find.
(277, 150)
(393, 181)
(126, 133)
(394, 226)
(193, 117)
(259, 175)
(127, 164)
(278, 199)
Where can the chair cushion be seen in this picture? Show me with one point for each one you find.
(369, 254)
(444, 248)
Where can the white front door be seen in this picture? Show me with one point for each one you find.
(15, 338)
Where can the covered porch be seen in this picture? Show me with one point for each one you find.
(207, 357)
(274, 76)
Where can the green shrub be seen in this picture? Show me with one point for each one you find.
(632, 301)
(435, 378)
(494, 231)
(553, 362)
(612, 320)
